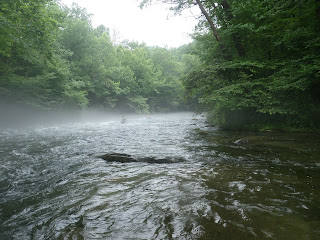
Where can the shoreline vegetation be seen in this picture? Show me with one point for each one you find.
(253, 65)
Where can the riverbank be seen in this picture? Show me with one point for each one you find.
(261, 124)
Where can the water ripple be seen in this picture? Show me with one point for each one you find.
(53, 187)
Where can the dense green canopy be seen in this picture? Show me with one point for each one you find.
(260, 63)
(51, 57)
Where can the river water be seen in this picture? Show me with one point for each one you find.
(53, 185)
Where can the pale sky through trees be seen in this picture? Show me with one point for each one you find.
(155, 25)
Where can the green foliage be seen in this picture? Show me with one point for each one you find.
(266, 69)
(263, 75)
(74, 95)
(169, 94)
(52, 57)
(28, 55)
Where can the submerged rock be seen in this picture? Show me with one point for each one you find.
(118, 157)
(126, 158)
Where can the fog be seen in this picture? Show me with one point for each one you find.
(22, 116)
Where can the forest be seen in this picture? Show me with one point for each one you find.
(253, 65)
(53, 58)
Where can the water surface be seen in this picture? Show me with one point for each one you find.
(52, 187)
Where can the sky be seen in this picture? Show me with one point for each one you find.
(154, 25)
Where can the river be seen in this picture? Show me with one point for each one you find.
(53, 185)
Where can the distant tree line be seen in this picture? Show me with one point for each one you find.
(260, 63)
(253, 64)
(51, 57)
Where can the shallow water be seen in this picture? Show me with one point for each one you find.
(51, 187)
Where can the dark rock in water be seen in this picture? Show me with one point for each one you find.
(161, 160)
(118, 157)
(125, 158)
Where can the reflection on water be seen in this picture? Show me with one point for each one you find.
(266, 187)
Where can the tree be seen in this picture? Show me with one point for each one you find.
(52, 57)
(29, 65)
(263, 69)
(169, 94)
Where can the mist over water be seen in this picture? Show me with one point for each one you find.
(53, 186)
(24, 116)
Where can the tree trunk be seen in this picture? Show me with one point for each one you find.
(235, 37)
(212, 26)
